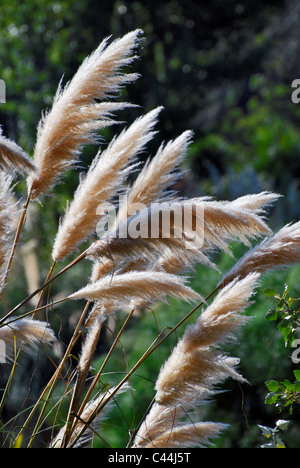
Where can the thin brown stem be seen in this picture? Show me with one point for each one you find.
(48, 390)
(79, 387)
(97, 376)
(32, 312)
(70, 265)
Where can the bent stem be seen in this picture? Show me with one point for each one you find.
(32, 312)
(70, 265)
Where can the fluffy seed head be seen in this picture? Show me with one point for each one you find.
(75, 115)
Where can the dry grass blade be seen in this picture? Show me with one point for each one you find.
(27, 334)
(122, 289)
(278, 251)
(75, 115)
(107, 172)
(13, 158)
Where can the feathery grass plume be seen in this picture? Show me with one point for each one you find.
(226, 221)
(257, 202)
(101, 268)
(163, 428)
(195, 362)
(90, 342)
(75, 115)
(121, 289)
(13, 158)
(90, 420)
(27, 334)
(171, 263)
(98, 314)
(7, 212)
(157, 175)
(108, 171)
(196, 365)
(278, 251)
(197, 223)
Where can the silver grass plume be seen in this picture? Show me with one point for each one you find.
(13, 159)
(76, 115)
(123, 288)
(211, 224)
(278, 251)
(164, 428)
(257, 203)
(25, 334)
(158, 174)
(108, 171)
(197, 364)
(151, 184)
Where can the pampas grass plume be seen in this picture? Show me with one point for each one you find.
(194, 367)
(278, 251)
(194, 362)
(7, 212)
(14, 159)
(107, 172)
(123, 288)
(26, 334)
(75, 115)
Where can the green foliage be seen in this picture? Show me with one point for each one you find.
(272, 434)
(286, 314)
(284, 394)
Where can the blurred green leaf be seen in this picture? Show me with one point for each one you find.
(297, 374)
(270, 292)
(272, 385)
